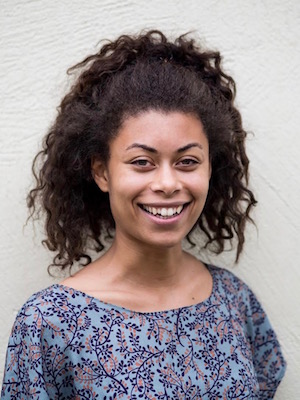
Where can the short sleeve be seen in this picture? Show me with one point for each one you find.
(23, 372)
(268, 359)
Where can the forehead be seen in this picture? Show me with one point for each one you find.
(161, 129)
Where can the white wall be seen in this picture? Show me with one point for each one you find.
(260, 43)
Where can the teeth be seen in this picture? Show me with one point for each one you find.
(179, 209)
(170, 212)
(164, 212)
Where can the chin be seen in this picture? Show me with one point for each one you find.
(165, 243)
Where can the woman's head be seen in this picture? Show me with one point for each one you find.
(157, 177)
(124, 79)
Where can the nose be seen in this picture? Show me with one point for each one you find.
(166, 180)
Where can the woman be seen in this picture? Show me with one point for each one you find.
(147, 148)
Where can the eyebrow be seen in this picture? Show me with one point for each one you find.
(152, 150)
(189, 146)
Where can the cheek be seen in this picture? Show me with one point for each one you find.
(125, 187)
(200, 184)
(124, 178)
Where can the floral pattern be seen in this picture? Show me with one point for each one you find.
(66, 344)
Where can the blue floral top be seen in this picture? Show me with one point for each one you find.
(66, 344)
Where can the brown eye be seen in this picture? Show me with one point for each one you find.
(188, 162)
(142, 163)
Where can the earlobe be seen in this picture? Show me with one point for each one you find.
(100, 174)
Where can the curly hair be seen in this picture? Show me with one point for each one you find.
(126, 77)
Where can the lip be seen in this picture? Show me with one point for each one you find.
(169, 220)
(165, 205)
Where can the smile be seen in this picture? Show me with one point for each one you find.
(163, 212)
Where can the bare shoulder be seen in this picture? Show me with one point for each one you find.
(197, 268)
(84, 279)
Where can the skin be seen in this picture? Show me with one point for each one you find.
(158, 160)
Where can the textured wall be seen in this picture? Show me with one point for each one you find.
(260, 44)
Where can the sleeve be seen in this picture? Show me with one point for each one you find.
(23, 372)
(268, 359)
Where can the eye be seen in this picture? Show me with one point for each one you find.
(188, 162)
(142, 162)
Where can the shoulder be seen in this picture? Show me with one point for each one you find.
(228, 282)
(38, 302)
(268, 359)
(239, 297)
(30, 317)
(42, 329)
(44, 300)
(55, 295)
(50, 311)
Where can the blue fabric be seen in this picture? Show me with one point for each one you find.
(68, 345)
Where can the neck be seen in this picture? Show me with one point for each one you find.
(144, 265)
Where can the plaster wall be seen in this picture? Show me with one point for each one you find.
(260, 43)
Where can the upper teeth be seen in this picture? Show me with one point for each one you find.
(163, 211)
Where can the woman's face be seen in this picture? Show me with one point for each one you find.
(157, 177)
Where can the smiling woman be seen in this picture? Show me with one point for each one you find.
(147, 146)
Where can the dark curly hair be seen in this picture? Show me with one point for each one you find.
(128, 76)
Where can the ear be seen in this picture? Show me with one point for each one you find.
(100, 174)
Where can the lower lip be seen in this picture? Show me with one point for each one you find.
(165, 221)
